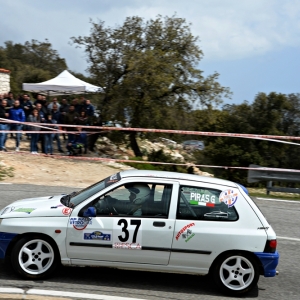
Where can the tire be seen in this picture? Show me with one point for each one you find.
(235, 273)
(34, 257)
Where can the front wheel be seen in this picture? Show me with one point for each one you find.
(34, 257)
(235, 274)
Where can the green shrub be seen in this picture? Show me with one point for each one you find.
(4, 172)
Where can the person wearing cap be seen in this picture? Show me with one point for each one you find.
(139, 194)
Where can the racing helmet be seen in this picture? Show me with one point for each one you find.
(141, 192)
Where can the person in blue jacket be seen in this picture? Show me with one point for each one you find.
(16, 113)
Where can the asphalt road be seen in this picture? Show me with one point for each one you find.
(283, 216)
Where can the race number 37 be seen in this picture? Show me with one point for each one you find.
(127, 234)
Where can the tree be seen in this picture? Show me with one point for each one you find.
(32, 62)
(148, 70)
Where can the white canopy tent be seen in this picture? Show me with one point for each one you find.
(64, 83)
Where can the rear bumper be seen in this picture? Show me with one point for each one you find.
(269, 262)
(5, 239)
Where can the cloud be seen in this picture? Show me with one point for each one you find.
(227, 29)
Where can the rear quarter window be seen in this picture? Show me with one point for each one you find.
(200, 203)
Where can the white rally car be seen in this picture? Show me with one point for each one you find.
(144, 220)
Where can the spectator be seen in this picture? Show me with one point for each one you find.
(34, 118)
(48, 137)
(44, 105)
(82, 119)
(95, 120)
(70, 119)
(42, 118)
(39, 99)
(64, 108)
(41, 113)
(3, 125)
(56, 136)
(89, 108)
(10, 100)
(77, 143)
(16, 113)
(77, 105)
(27, 105)
(54, 102)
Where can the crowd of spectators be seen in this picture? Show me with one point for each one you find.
(79, 112)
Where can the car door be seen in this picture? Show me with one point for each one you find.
(208, 223)
(118, 235)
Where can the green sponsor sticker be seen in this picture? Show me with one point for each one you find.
(192, 202)
(25, 210)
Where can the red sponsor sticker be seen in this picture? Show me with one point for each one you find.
(183, 229)
(66, 211)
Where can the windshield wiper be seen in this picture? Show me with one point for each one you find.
(65, 200)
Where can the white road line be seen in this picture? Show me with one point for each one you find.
(62, 294)
(288, 238)
(290, 201)
(5, 183)
(11, 291)
(77, 295)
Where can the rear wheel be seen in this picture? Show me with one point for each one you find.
(34, 257)
(235, 274)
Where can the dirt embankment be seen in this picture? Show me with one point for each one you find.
(48, 170)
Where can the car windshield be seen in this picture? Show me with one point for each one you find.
(79, 197)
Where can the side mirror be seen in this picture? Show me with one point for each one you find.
(90, 212)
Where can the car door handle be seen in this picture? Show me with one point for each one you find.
(159, 224)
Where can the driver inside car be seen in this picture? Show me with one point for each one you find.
(139, 194)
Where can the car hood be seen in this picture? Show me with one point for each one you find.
(36, 207)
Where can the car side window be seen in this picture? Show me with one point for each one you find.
(137, 199)
(197, 203)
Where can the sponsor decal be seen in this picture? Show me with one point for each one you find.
(25, 210)
(97, 235)
(188, 235)
(80, 223)
(127, 234)
(229, 197)
(202, 199)
(112, 179)
(130, 246)
(183, 229)
(66, 211)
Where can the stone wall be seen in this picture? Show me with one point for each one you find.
(4, 81)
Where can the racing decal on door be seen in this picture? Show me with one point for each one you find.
(229, 197)
(127, 234)
(183, 229)
(98, 235)
(80, 223)
(188, 235)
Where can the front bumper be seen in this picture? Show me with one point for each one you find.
(269, 262)
(5, 239)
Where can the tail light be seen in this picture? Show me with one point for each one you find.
(271, 246)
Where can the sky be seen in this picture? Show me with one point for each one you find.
(252, 44)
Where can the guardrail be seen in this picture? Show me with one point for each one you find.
(277, 175)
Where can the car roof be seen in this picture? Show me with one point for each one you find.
(175, 175)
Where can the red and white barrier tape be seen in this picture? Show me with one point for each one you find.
(203, 133)
(158, 163)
